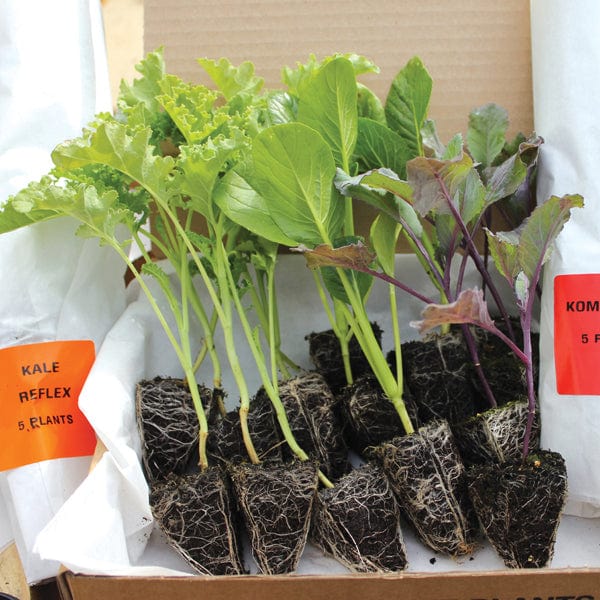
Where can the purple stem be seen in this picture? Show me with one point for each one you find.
(474, 254)
(470, 341)
(395, 282)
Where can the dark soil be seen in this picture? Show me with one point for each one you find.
(519, 506)
(311, 412)
(225, 441)
(428, 477)
(326, 356)
(357, 522)
(276, 502)
(504, 372)
(437, 371)
(196, 514)
(168, 426)
(368, 416)
(496, 435)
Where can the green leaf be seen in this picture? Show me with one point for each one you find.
(232, 80)
(282, 108)
(144, 90)
(373, 187)
(528, 248)
(408, 102)
(192, 109)
(112, 144)
(540, 230)
(384, 236)
(486, 134)
(328, 104)
(454, 148)
(503, 249)
(200, 167)
(431, 140)
(98, 212)
(378, 146)
(296, 78)
(244, 205)
(294, 174)
(522, 290)
(369, 105)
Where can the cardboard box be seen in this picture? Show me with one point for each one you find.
(544, 584)
(477, 52)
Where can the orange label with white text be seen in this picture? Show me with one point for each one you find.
(577, 334)
(39, 390)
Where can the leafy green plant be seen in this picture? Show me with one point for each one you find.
(164, 153)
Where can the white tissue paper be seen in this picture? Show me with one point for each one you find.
(55, 286)
(566, 55)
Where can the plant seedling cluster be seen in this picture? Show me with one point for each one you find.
(267, 168)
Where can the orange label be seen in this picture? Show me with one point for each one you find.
(39, 389)
(577, 334)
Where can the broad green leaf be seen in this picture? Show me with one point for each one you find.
(486, 134)
(231, 80)
(384, 236)
(408, 102)
(244, 205)
(328, 104)
(294, 174)
(369, 105)
(386, 192)
(378, 146)
(282, 108)
(111, 144)
(296, 78)
(470, 307)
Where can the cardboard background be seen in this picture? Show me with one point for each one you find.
(476, 52)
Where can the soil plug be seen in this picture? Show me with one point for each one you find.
(368, 416)
(501, 493)
(276, 501)
(496, 435)
(358, 522)
(197, 514)
(311, 410)
(429, 480)
(326, 356)
(168, 426)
